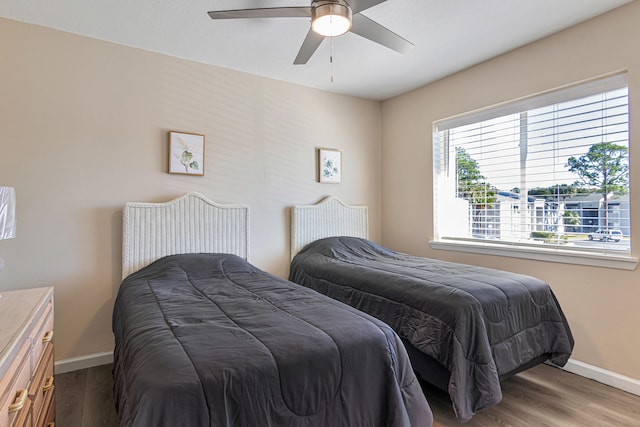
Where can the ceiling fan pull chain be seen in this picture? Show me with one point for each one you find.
(331, 56)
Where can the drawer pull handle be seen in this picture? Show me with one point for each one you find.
(48, 337)
(48, 384)
(19, 401)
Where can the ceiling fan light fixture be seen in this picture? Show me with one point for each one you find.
(330, 18)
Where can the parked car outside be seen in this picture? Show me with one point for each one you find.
(611, 234)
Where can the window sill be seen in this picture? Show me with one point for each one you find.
(617, 261)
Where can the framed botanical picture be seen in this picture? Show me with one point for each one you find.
(329, 166)
(186, 153)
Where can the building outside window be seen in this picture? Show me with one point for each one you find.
(542, 172)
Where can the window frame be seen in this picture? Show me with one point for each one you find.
(583, 256)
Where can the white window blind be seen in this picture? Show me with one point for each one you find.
(549, 171)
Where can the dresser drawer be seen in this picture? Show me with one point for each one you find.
(42, 336)
(14, 398)
(42, 384)
(24, 417)
(48, 416)
(26, 358)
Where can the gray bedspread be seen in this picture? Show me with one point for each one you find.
(479, 323)
(210, 340)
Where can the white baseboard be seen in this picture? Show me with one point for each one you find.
(83, 362)
(628, 384)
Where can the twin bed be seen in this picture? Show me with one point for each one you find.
(205, 338)
(465, 328)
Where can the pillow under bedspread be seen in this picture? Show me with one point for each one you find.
(210, 340)
(479, 323)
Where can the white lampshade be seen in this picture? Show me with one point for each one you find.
(331, 19)
(7, 213)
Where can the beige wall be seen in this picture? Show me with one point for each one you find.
(602, 305)
(84, 129)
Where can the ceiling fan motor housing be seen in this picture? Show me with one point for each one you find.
(330, 17)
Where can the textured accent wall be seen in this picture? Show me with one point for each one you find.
(84, 128)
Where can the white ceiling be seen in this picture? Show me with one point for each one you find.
(449, 35)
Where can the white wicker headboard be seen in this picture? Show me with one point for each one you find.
(329, 217)
(189, 224)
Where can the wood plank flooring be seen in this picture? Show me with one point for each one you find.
(543, 396)
(84, 398)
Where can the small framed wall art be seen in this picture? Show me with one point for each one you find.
(186, 153)
(329, 166)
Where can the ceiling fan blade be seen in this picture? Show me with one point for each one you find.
(365, 27)
(269, 12)
(308, 48)
(360, 5)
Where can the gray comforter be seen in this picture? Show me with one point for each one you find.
(209, 340)
(477, 322)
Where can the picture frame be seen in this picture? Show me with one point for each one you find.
(329, 166)
(186, 153)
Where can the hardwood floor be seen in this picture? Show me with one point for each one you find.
(543, 396)
(84, 398)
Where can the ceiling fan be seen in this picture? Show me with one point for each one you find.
(329, 18)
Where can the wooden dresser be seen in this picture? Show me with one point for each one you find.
(26, 358)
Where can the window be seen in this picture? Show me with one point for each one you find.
(545, 175)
